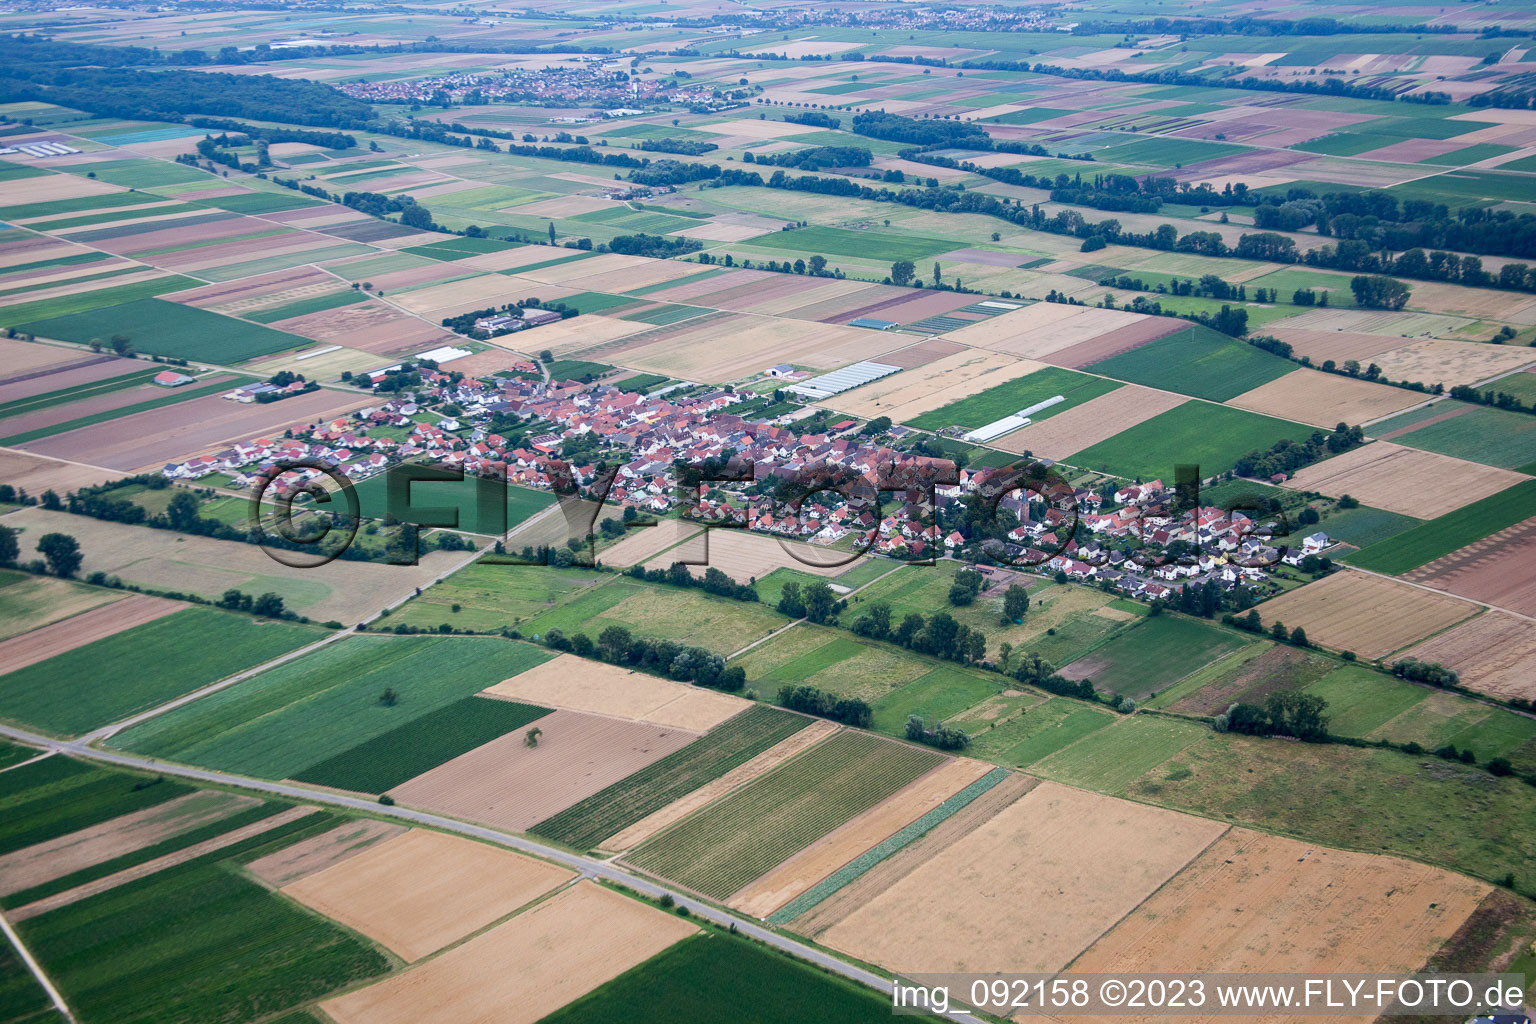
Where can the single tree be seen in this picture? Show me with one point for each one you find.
(10, 550)
(902, 272)
(62, 553)
(1015, 602)
(551, 232)
(531, 737)
(389, 698)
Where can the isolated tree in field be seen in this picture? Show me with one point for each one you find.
(551, 232)
(938, 274)
(818, 598)
(10, 550)
(1377, 291)
(62, 552)
(902, 272)
(1015, 602)
(389, 698)
(531, 737)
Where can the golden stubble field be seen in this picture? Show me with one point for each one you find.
(1029, 889)
(1370, 615)
(422, 891)
(524, 969)
(1325, 399)
(1495, 654)
(1260, 903)
(595, 687)
(1405, 480)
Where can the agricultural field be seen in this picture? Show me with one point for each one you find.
(1447, 533)
(487, 597)
(294, 716)
(1138, 848)
(1410, 482)
(1006, 399)
(463, 887)
(29, 603)
(1210, 436)
(1493, 437)
(689, 616)
(1369, 615)
(1153, 655)
(506, 972)
(576, 684)
(721, 848)
(1494, 653)
(199, 646)
(728, 747)
(1197, 362)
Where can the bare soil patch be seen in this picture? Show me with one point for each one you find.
(921, 354)
(524, 969)
(1115, 342)
(421, 891)
(508, 784)
(1370, 615)
(577, 684)
(38, 474)
(746, 556)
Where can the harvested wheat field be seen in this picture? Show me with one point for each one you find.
(455, 886)
(32, 602)
(440, 300)
(1261, 903)
(1406, 480)
(853, 838)
(1495, 654)
(508, 784)
(1451, 362)
(577, 684)
(307, 856)
(1340, 346)
(880, 877)
(1028, 890)
(612, 272)
(116, 837)
(524, 969)
(37, 473)
(97, 624)
(904, 396)
(708, 793)
(644, 542)
(921, 354)
(1001, 332)
(1097, 419)
(745, 556)
(575, 334)
(29, 360)
(1495, 570)
(1370, 615)
(724, 348)
(1325, 399)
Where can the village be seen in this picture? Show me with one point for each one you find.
(1127, 537)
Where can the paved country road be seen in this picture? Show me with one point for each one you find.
(586, 866)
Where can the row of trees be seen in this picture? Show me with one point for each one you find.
(617, 645)
(714, 581)
(1287, 456)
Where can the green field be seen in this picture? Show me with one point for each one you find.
(1109, 759)
(55, 796)
(1198, 362)
(936, 696)
(737, 839)
(1006, 399)
(715, 977)
(63, 396)
(586, 824)
(1494, 437)
(1365, 526)
(1153, 656)
(293, 716)
(170, 329)
(1412, 548)
(144, 666)
(154, 398)
(197, 941)
(141, 173)
(22, 999)
(874, 245)
(642, 382)
(689, 616)
(477, 500)
(1036, 733)
(406, 751)
(1383, 801)
(491, 597)
(831, 660)
(1212, 436)
(1361, 699)
(575, 369)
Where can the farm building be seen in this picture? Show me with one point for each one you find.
(846, 379)
(873, 324)
(172, 379)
